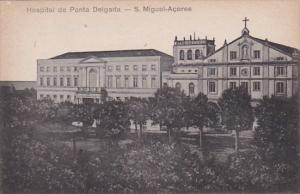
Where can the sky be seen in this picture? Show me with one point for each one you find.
(26, 36)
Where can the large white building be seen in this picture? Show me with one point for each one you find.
(80, 76)
(265, 68)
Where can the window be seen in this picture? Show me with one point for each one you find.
(212, 87)
(75, 81)
(144, 82)
(211, 71)
(190, 55)
(196, 70)
(144, 67)
(135, 67)
(118, 82)
(280, 71)
(135, 81)
(41, 96)
(178, 86)
(75, 69)
(212, 60)
(62, 69)
(191, 89)
(279, 58)
(182, 70)
(61, 81)
(256, 86)
(244, 85)
(181, 55)
(189, 71)
(68, 81)
(48, 81)
(126, 67)
(47, 69)
(54, 96)
(61, 97)
(197, 54)
(54, 81)
(233, 55)
(41, 81)
(118, 67)
(126, 82)
(232, 84)
(256, 54)
(109, 81)
(153, 67)
(68, 97)
(232, 71)
(279, 87)
(55, 69)
(256, 71)
(110, 68)
(153, 82)
(41, 69)
(68, 69)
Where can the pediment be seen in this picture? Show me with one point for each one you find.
(92, 59)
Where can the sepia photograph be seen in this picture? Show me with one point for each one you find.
(155, 96)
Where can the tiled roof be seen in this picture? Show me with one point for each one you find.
(108, 54)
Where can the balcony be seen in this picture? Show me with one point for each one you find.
(89, 90)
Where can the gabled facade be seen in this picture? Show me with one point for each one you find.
(265, 68)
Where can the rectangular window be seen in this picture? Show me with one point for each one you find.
(55, 69)
(75, 81)
(232, 71)
(75, 69)
(54, 81)
(256, 54)
(62, 69)
(279, 87)
(126, 79)
(212, 87)
(68, 69)
(211, 71)
(61, 97)
(144, 82)
(68, 97)
(280, 71)
(54, 96)
(256, 70)
(126, 67)
(118, 82)
(144, 68)
(135, 81)
(47, 69)
(61, 81)
(153, 82)
(233, 55)
(41, 96)
(41, 69)
(256, 86)
(232, 84)
(244, 85)
(109, 81)
(135, 67)
(118, 68)
(212, 60)
(153, 67)
(48, 81)
(68, 81)
(41, 81)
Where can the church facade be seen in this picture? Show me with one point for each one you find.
(81, 77)
(263, 67)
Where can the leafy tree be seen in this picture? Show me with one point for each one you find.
(167, 109)
(236, 112)
(84, 113)
(138, 112)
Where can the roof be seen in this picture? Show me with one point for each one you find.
(283, 48)
(108, 54)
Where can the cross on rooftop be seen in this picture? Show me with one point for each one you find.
(246, 20)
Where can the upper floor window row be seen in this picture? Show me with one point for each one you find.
(61, 69)
(233, 54)
(144, 67)
(189, 54)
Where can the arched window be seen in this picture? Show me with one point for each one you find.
(245, 52)
(181, 55)
(189, 55)
(197, 54)
(191, 89)
(178, 86)
(92, 78)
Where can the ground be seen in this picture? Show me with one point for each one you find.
(217, 145)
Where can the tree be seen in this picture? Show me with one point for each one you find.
(167, 109)
(138, 112)
(236, 112)
(84, 113)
